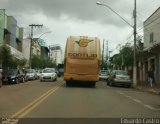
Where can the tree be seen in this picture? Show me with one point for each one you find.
(22, 63)
(126, 55)
(37, 62)
(124, 58)
(6, 58)
(116, 61)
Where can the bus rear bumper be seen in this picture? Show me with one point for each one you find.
(75, 77)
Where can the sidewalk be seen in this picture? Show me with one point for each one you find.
(147, 88)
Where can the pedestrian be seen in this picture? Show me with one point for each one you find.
(151, 76)
(0, 77)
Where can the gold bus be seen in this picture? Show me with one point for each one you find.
(82, 60)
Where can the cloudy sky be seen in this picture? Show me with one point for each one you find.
(80, 17)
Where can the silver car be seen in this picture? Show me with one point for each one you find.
(103, 75)
(31, 74)
(120, 78)
(48, 74)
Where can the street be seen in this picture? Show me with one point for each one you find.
(35, 99)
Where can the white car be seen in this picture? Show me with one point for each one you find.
(48, 74)
(103, 76)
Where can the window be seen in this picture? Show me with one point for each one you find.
(151, 37)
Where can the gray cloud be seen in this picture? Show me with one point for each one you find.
(79, 17)
(86, 10)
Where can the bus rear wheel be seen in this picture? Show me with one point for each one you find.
(68, 83)
(92, 84)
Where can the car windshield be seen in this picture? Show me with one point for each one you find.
(121, 72)
(10, 72)
(48, 70)
(30, 71)
(103, 73)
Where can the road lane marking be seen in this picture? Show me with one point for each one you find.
(25, 110)
(138, 101)
(150, 107)
(37, 103)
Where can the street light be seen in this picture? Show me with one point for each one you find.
(135, 33)
(44, 33)
(102, 4)
(39, 38)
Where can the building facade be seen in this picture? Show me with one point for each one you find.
(26, 49)
(3, 25)
(36, 47)
(56, 54)
(44, 49)
(151, 52)
(11, 34)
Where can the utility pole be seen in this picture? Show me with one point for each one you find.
(31, 42)
(107, 52)
(134, 54)
(107, 60)
(109, 56)
(103, 54)
(134, 32)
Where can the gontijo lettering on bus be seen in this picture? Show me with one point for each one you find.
(83, 42)
(82, 55)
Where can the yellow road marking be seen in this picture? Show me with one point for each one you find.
(25, 110)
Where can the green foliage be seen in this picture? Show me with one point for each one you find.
(116, 61)
(5, 57)
(36, 61)
(126, 55)
(8, 60)
(124, 58)
(39, 63)
(22, 62)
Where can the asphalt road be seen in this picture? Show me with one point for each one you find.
(35, 99)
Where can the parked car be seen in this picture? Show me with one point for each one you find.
(48, 74)
(119, 78)
(57, 72)
(38, 73)
(60, 68)
(103, 75)
(31, 74)
(13, 76)
(61, 71)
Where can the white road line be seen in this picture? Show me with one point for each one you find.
(150, 107)
(138, 101)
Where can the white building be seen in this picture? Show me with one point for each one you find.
(56, 54)
(151, 54)
(26, 49)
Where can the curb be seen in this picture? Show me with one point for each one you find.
(152, 91)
